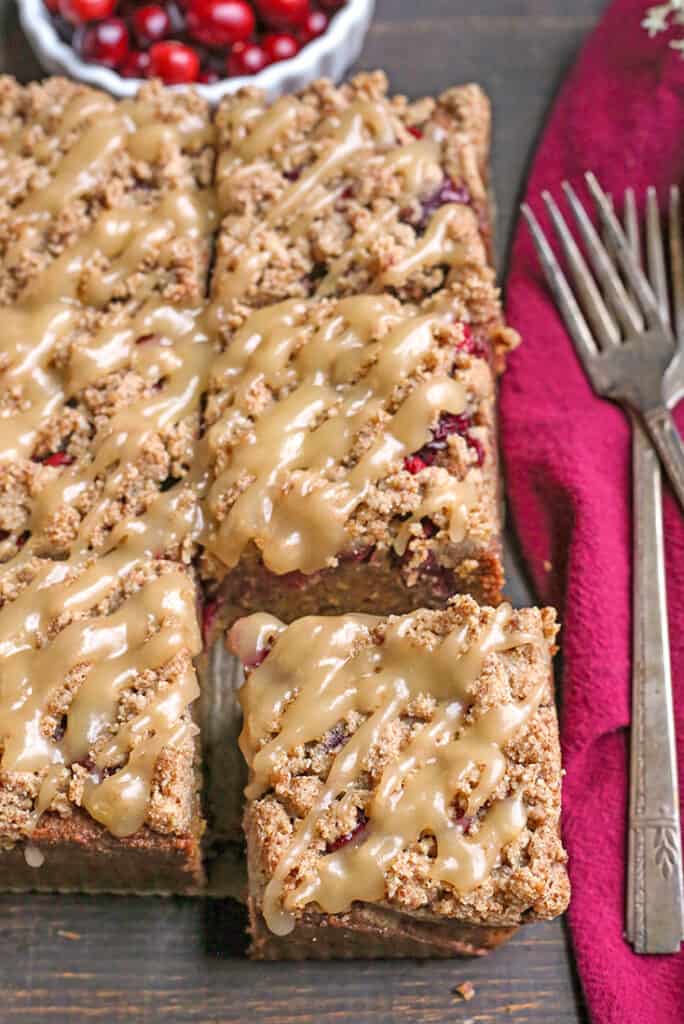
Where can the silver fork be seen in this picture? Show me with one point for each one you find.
(655, 912)
(633, 371)
(654, 844)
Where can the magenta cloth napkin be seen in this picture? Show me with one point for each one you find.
(567, 462)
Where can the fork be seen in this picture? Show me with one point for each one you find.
(655, 912)
(631, 372)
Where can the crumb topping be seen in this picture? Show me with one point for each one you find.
(412, 761)
(122, 297)
(340, 425)
(98, 683)
(341, 191)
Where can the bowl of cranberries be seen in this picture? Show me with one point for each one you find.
(216, 46)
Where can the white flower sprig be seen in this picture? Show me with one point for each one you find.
(661, 17)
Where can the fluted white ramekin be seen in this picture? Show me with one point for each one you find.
(328, 56)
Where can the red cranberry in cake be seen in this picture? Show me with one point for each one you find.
(58, 459)
(348, 837)
(448, 192)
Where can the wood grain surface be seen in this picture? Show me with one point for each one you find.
(69, 958)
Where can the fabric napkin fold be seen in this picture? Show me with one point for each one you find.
(567, 458)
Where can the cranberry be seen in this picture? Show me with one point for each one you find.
(415, 132)
(220, 22)
(150, 24)
(363, 554)
(449, 423)
(280, 46)
(448, 192)
(174, 63)
(257, 658)
(314, 25)
(413, 464)
(341, 841)
(295, 580)
(52, 6)
(464, 822)
(209, 615)
(80, 11)
(473, 344)
(208, 77)
(89, 764)
(103, 43)
(58, 459)
(136, 65)
(478, 448)
(332, 5)
(283, 13)
(247, 59)
(429, 528)
(335, 737)
(60, 729)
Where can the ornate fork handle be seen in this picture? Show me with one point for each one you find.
(663, 432)
(655, 918)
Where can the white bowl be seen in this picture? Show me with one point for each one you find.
(327, 56)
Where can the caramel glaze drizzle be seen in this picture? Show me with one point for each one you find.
(364, 131)
(157, 622)
(290, 464)
(318, 671)
(150, 628)
(302, 528)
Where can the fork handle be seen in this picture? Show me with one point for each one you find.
(665, 436)
(655, 914)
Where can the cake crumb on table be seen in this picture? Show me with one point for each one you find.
(466, 991)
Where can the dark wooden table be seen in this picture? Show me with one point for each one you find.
(118, 959)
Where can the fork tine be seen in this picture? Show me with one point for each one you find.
(625, 310)
(632, 224)
(592, 302)
(632, 227)
(609, 248)
(633, 273)
(654, 252)
(677, 263)
(562, 292)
